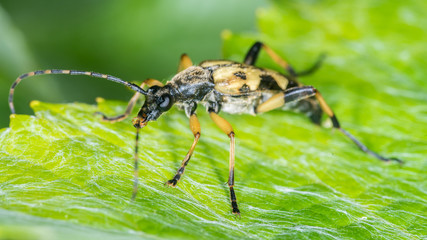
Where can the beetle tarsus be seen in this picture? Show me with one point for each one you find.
(401, 162)
(367, 150)
(172, 183)
(233, 201)
(105, 118)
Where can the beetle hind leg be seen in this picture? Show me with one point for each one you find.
(311, 108)
(337, 125)
(302, 93)
(313, 68)
(254, 51)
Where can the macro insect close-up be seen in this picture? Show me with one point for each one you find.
(219, 85)
(270, 119)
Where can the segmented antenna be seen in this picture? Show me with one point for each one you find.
(69, 72)
(135, 166)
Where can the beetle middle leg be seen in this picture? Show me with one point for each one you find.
(149, 82)
(225, 126)
(254, 51)
(301, 93)
(311, 108)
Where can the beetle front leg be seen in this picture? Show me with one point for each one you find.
(184, 62)
(195, 128)
(149, 82)
(227, 129)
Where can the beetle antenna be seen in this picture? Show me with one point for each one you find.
(135, 168)
(134, 87)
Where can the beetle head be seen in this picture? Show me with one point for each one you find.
(157, 101)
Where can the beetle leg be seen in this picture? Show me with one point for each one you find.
(311, 108)
(195, 128)
(316, 65)
(337, 125)
(301, 93)
(227, 129)
(287, 96)
(149, 82)
(253, 53)
(184, 63)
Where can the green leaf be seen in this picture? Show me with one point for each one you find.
(65, 169)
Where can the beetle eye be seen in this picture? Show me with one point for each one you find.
(165, 102)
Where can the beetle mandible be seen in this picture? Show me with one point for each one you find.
(219, 85)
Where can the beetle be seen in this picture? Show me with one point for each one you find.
(219, 85)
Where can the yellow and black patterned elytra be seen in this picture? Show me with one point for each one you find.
(219, 85)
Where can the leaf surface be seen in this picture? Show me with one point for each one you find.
(64, 169)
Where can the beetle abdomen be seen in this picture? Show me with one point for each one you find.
(244, 103)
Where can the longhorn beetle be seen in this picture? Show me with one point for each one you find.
(219, 85)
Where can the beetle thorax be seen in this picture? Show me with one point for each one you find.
(192, 84)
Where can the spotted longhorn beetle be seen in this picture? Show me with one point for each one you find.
(229, 86)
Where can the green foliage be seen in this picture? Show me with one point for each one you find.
(64, 169)
(132, 39)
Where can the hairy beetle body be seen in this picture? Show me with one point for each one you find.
(219, 85)
(236, 87)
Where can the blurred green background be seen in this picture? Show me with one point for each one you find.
(130, 39)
